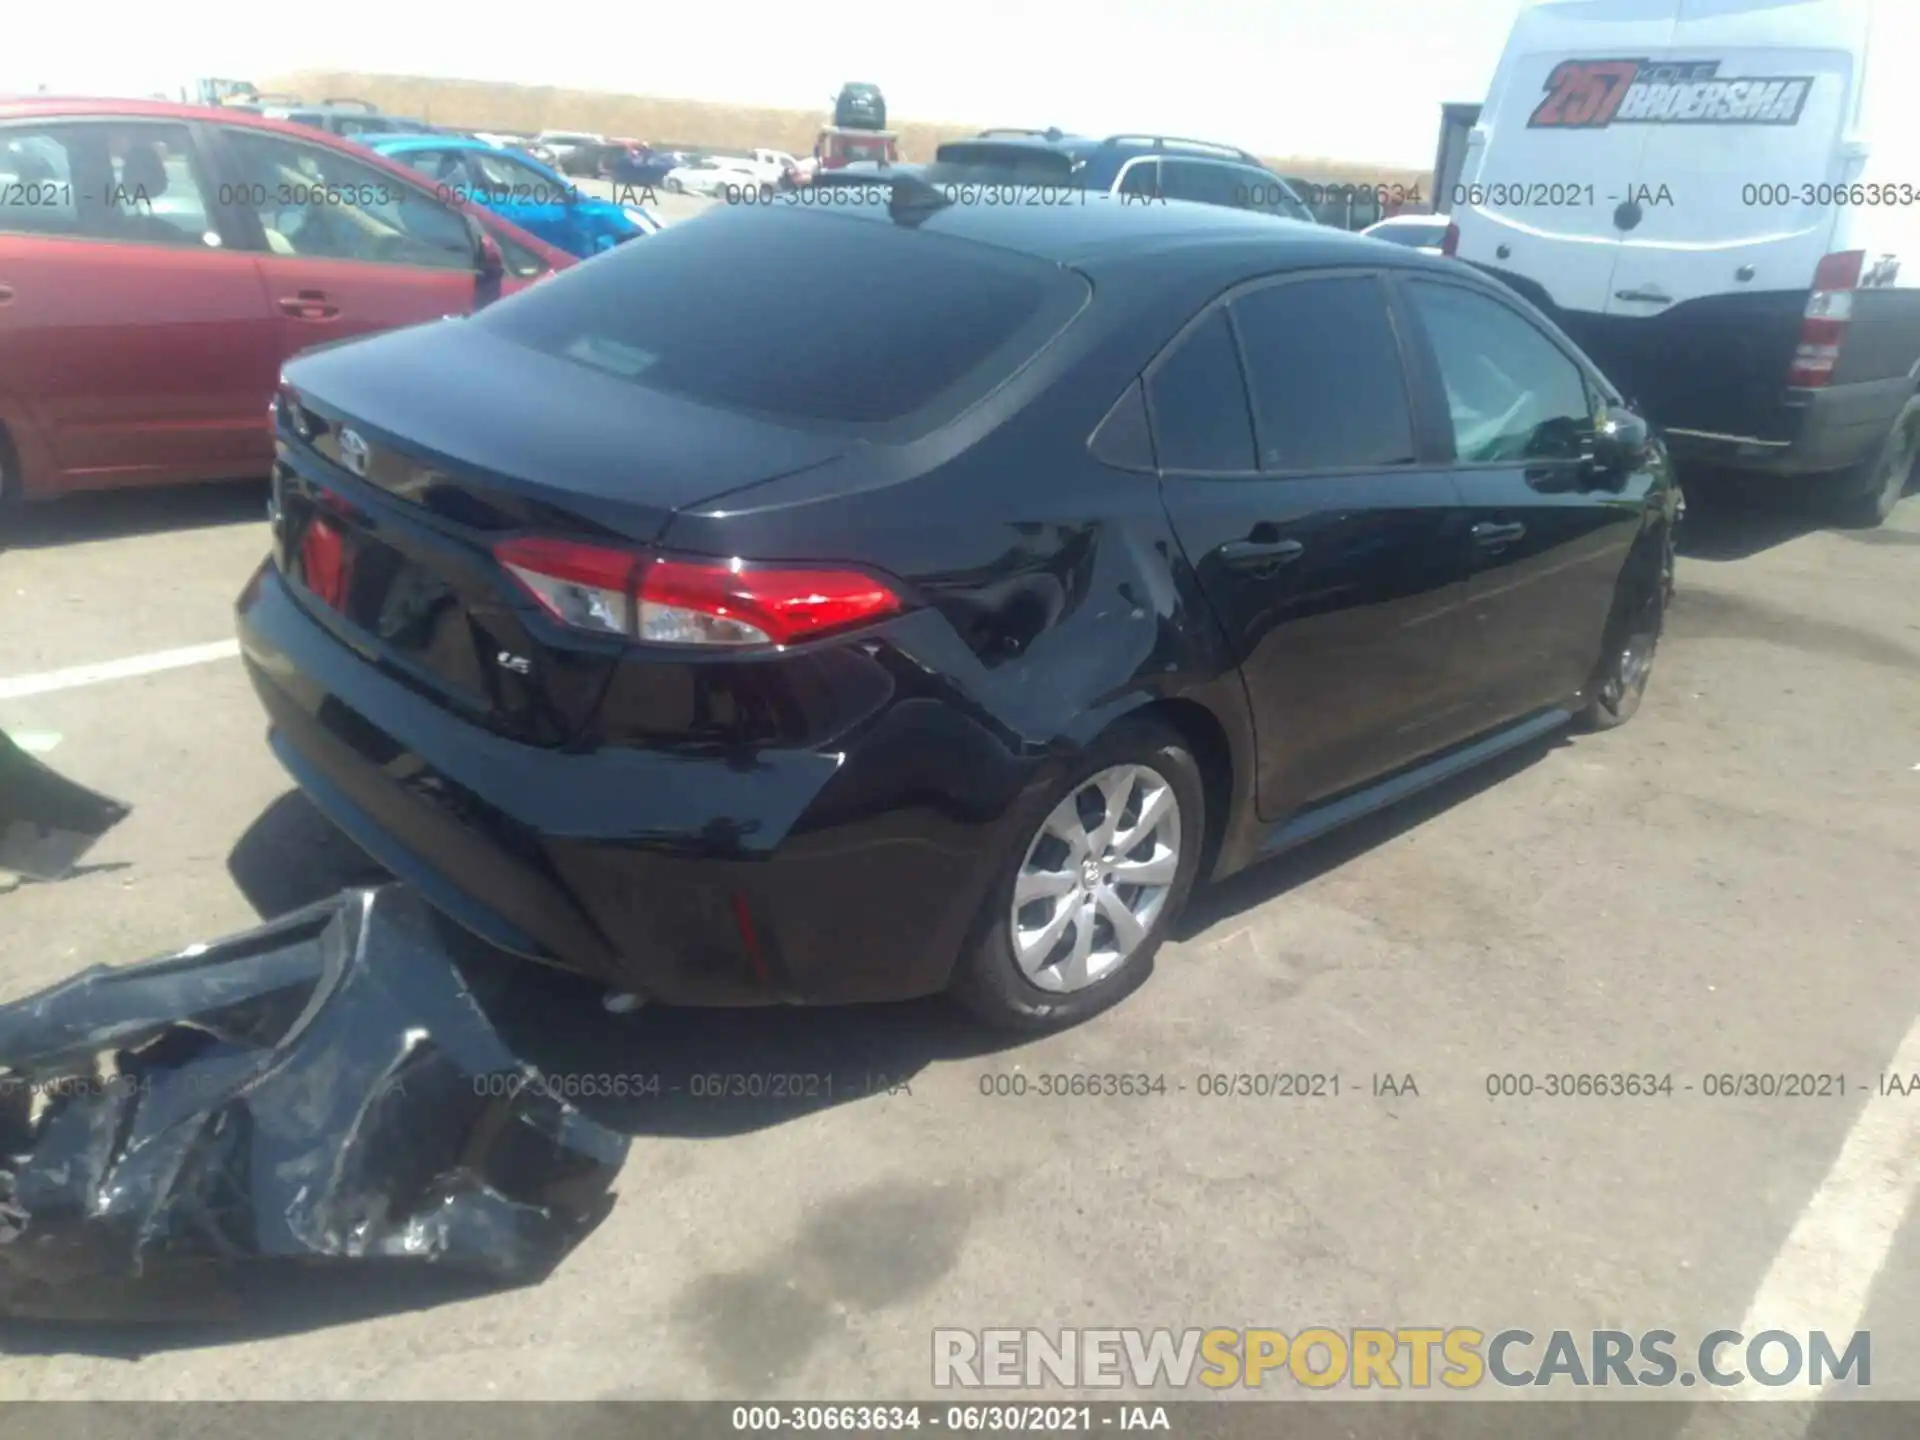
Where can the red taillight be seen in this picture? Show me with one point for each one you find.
(677, 601)
(1823, 329)
(1450, 242)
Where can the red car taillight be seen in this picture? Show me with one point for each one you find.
(667, 601)
(1450, 241)
(1824, 327)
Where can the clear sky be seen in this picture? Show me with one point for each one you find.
(1356, 79)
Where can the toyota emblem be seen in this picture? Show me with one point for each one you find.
(353, 451)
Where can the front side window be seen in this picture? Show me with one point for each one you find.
(1323, 368)
(314, 202)
(512, 179)
(1512, 394)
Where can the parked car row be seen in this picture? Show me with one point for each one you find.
(159, 262)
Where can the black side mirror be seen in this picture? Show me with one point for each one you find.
(1621, 440)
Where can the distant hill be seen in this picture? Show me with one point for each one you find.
(695, 124)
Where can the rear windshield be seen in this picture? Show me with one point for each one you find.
(800, 315)
(1415, 235)
(1019, 162)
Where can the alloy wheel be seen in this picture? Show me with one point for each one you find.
(1095, 878)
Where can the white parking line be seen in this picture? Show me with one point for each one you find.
(18, 686)
(1823, 1275)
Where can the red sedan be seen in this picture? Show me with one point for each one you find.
(158, 262)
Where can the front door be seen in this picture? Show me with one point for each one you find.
(343, 248)
(1332, 552)
(1550, 531)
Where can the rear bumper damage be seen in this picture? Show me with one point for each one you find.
(324, 1088)
(780, 875)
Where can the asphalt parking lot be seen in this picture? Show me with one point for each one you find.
(1724, 885)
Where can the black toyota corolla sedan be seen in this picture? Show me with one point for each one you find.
(836, 603)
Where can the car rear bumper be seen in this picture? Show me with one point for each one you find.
(1813, 432)
(776, 877)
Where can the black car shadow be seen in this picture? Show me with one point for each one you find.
(1733, 518)
(1271, 879)
(272, 1299)
(658, 1070)
(120, 514)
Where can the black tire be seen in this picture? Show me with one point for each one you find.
(12, 490)
(988, 979)
(1872, 489)
(1633, 638)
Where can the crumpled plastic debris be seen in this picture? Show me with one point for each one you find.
(46, 821)
(323, 1089)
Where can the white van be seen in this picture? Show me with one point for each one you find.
(1715, 198)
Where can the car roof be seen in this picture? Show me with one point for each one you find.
(1110, 227)
(418, 140)
(114, 107)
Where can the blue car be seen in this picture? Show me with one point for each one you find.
(519, 189)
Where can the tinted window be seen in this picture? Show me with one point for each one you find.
(1203, 181)
(109, 181)
(1141, 177)
(513, 179)
(1018, 162)
(801, 315)
(1511, 392)
(1324, 370)
(1269, 194)
(314, 201)
(1198, 403)
(1411, 234)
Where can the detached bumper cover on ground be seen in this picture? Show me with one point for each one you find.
(324, 1088)
(46, 822)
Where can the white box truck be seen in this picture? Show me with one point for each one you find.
(1716, 199)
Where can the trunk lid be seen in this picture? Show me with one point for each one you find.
(424, 448)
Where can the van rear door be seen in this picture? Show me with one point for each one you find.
(1747, 118)
(1550, 168)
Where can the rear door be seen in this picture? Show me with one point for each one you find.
(138, 339)
(1333, 554)
(343, 248)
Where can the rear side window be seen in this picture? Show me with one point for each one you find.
(132, 181)
(1323, 368)
(1198, 403)
(800, 315)
(1202, 181)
